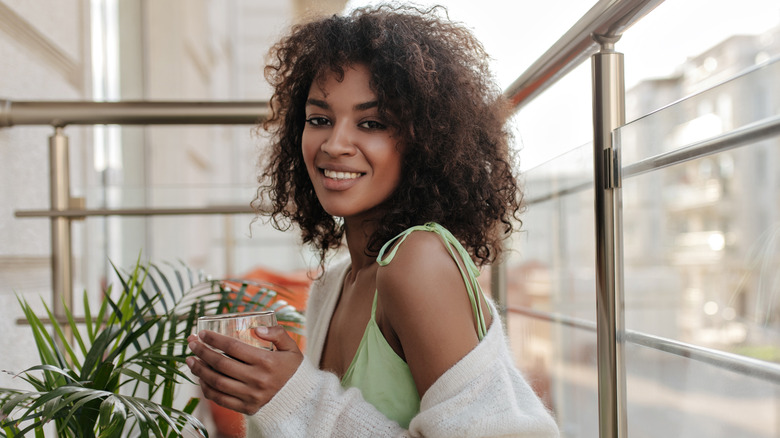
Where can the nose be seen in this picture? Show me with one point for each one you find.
(339, 142)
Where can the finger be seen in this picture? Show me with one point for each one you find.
(217, 381)
(214, 339)
(232, 347)
(279, 336)
(228, 392)
(218, 361)
(226, 400)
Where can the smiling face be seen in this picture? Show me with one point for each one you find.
(352, 156)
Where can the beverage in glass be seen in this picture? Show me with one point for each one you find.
(240, 326)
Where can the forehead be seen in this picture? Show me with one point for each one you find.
(353, 79)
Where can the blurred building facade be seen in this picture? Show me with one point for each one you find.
(716, 221)
(701, 257)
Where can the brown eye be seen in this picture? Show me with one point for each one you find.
(317, 121)
(372, 124)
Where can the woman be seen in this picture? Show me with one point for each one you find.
(388, 134)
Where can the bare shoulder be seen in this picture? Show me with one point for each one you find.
(422, 260)
(423, 303)
(423, 279)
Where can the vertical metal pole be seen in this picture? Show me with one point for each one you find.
(608, 114)
(498, 288)
(230, 247)
(61, 262)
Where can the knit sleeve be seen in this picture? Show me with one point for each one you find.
(483, 395)
(313, 404)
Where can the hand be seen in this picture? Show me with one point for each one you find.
(246, 377)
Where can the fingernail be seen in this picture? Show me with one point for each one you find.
(190, 362)
(262, 330)
(191, 345)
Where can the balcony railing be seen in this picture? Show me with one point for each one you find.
(594, 36)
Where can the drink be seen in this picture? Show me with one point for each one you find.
(248, 336)
(240, 326)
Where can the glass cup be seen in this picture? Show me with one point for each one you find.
(240, 326)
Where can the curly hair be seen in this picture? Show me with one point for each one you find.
(434, 87)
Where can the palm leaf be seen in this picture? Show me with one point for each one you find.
(136, 339)
(61, 335)
(47, 348)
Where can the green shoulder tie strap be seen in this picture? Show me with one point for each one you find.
(469, 273)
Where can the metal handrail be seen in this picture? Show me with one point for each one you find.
(63, 113)
(558, 318)
(64, 208)
(606, 20)
(760, 369)
(743, 136)
(750, 133)
(79, 213)
(748, 366)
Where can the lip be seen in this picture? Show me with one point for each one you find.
(338, 184)
(337, 168)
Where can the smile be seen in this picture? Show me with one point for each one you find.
(340, 175)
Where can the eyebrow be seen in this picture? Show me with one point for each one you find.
(358, 107)
(366, 105)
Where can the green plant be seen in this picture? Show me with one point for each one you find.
(116, 374)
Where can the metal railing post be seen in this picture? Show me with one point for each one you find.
(61, 261)
(608, 114)
(498, 289)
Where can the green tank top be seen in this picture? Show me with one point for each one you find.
(383, 378)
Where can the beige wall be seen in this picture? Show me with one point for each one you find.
(44, 53)
(167, 50)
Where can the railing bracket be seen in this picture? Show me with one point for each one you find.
(611, 169)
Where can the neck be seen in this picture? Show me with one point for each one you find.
(358, 233)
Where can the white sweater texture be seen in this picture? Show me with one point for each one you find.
(483, 395)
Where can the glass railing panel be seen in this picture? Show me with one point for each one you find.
(702, 251)
(559, 362)
(552, 257)
(706, 231)
(701, 260)
(176, 167)
(745, 99)
(172, 196)
(557, 120)
(673, 396)
(219, 245)
(172, 166)
(550, 274)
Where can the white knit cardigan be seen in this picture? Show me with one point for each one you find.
(483, 395)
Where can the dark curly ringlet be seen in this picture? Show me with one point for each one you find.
(433, 85)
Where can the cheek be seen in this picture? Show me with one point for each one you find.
(394, 170)
(308, 150)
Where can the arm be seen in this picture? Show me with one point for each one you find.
(461, 403)
(424, 309)
(283, 394)
(469, 388)
(483, 395)
(245, 378)
(313, 403)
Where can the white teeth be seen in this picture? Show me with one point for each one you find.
(340, 175)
